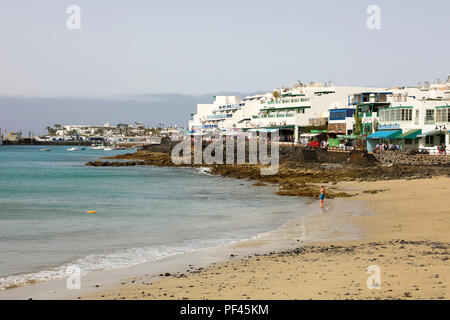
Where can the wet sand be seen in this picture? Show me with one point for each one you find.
(403, 231)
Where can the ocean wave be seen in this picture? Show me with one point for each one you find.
(97, 262)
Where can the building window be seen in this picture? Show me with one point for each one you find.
(406, 114)
(429, 140)
(443, 115)
(395, 115)
(429, 116)
(338, 114)
(416, 120)
(382, 115)
(398, 116)
(438, 115)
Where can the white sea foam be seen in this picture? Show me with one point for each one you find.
(204, 170)
(97, 262)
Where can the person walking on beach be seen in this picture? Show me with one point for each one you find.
(442, 149)
(322, 196)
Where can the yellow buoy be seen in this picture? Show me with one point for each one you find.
(91, 211)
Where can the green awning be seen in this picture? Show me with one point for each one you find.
(411, 134)
(349, 137)
(319, 131)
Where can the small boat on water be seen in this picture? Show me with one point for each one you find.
(108, 149)
(97, 148)
(73, 149)
(44, 149)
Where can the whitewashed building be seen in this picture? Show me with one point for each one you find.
(226, 115)
(293, 110)
(416, 117)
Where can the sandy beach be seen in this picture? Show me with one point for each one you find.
(404, 234)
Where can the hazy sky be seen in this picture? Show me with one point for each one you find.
(198, 47)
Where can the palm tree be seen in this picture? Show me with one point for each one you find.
(50, 130)
(58, 126)
(276, 94)
(358, 122)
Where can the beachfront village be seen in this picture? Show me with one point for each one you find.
(136, 134)
(310, 114)
(320, 114)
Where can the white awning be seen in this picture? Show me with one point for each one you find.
(263, 130)
(430, 133)
(309, 135)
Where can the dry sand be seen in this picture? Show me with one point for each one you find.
(407, 238)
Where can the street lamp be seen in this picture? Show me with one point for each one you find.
(441, 132)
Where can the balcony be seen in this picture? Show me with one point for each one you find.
(273, 120)
(231, 106)
(283, 101)
(286, 103)
(219, 116)
(288, 115)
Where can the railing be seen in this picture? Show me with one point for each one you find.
(219, 116)
(432, 150)
(284, 101)
(232, 106)
(274, 116)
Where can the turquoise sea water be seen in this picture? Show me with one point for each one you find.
(143, 213)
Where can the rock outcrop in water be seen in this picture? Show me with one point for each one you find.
(98, 163)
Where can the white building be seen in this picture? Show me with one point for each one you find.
(226, 115)
(416, 117)
(291, 111)
(288, 110)
(421, 115)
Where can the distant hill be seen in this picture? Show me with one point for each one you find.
(34, 114)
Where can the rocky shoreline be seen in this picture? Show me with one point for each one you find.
(98, 163)
(295, 178)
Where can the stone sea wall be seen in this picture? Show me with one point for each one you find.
(288, 153)
(411, 158)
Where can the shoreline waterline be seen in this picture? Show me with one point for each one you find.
(400, 233)
(316, 226)
(45, 196)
